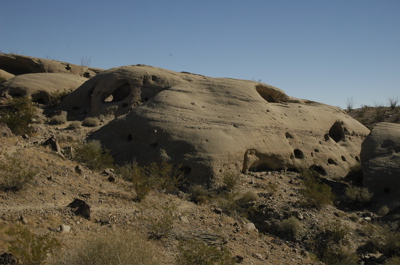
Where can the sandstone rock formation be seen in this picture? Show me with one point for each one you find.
(41, 87)
(210, 126)
(5, 75)
(20, 64)
(380, 159)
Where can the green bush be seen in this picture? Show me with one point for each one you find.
(197, 252)
(314, 192)
(30, 248)
(111, 248)
(18, 115)
(167, 176)
(74, 125)
(93, 155)
(14, 173)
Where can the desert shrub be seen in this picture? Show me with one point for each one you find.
(168, 176)
(247, 197)
(358, 196)
(291, 228)
(91, 122)
(384, 210)
(18, 115)
(314, 192)
(15, 174)
(57, 96)
(74, 125)
(390, 244)
(112, 248)
(355, 175)
(162, 226)
(328, 244)
(393, 261)
(230, 180)
(197, 252)
(350, 104)
(58, 119)
(393, 101)
(30, 248)
(199, 194)
(379, 114)
(228, 203)
(141, 183)
(93, 155)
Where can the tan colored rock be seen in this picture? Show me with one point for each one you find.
(5, 75)
(20, 64)
(211, 126)
(380, 159)
(41, 87)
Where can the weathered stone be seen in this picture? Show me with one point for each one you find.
(216, 125)
(380, 160)
(20, 64)
(65, 228)
(41, 87)
(53, 143)
(4, 75)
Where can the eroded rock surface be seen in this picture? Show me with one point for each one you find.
(20, 64)
(380, 159)
(41, 87)
(214, 125)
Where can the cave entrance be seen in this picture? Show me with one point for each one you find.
(336, 132)
(119, 94)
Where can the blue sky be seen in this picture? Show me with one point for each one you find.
(326, 51)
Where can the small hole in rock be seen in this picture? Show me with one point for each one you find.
(288, 136)
(357, 159)
(318, 169)
(186, 170)
(344, 159)
(386, 190)
(336, 132)
(298, 154)
(153, 145)
(316, 150)
(331, 161)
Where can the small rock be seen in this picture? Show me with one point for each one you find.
(65, 228)
(250, 227)
(78, 169)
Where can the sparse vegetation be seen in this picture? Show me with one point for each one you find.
(57, 96)
(74, 125)
(358, 196)
(162, 226)
(86, 61)
(230, 180)
(197, 252)
(58, 119)
(93, 155)
(30, 248)
(18, 114)
(114, 248)
(314, 192)
(350, 104)
(91, 122)
(15, 174)
(393, 102)
(291, 228)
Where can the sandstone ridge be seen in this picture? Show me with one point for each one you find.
(211, 126)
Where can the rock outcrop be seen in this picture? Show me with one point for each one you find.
(4, 75)
(211, 126)
(380, 159)
(41, 87)
(20, 64)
